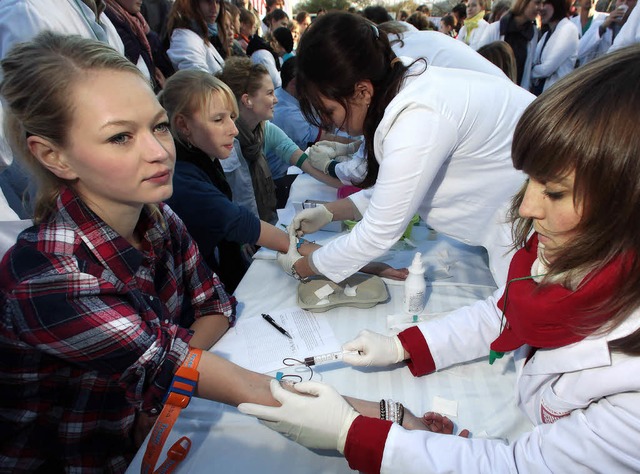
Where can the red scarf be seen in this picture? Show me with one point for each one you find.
(138, 24)
(548, 316)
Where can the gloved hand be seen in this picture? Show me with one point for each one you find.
(373, 349)
(324, 152)
(286, 260)
(319, 421)
(310, 220)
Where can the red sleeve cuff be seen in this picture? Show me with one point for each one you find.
(365, 443)
(421, 361)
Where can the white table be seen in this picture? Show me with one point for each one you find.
(225, 440)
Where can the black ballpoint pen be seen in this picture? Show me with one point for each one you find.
(270, 320)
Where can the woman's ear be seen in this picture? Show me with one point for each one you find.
(244, 99)
(51, 157)
(363, 92)
(182, 126)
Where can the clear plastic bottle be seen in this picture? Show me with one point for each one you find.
(415, 287)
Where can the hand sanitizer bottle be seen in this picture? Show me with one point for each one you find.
(415, 287)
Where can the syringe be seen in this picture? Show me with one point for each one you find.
(330, 357)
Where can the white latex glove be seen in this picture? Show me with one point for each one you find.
(286, 260)
(373, 349)
(310, 220)
(324, 152)
(319, 421)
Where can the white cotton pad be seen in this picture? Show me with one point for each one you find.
(350, 290)
(322, 302)
(323, 291)
(444, 406)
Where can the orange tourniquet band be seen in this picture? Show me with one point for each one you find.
(182, 389)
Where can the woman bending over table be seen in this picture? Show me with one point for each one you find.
(569, 311)
(435, 146)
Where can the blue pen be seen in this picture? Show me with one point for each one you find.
(270, 320)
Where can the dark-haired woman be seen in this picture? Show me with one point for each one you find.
(198, 32)
(517, 27)
(557, 50)
(433, 145)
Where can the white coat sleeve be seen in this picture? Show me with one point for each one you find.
(187, 50)
(604, 434)
(592, 43)
(462, 34)
(629, 33)
(411, 155)
(561, 46)
(464, 334)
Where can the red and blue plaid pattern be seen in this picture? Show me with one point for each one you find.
(92, 330)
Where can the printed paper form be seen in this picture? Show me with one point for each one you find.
(256, 345)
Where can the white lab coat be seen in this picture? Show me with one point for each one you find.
(492, 33)
(187, 50)
(630, 32)
(592, 44)
(583, 401)
(445, 153)
(558, 58)
(586, 50)
(476, 34)
(442, 51)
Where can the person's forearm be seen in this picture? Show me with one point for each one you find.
(334, 138)
(320, 176)
(303, 268)
(207, 330)
(342, 209)
(273, 238)
(226, 382)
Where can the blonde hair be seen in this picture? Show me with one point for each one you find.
(39, 77)
(190, 91)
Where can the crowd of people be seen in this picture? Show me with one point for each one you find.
(147, 147)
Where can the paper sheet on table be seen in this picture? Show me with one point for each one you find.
(256, 345)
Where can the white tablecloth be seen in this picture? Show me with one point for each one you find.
(225, 440)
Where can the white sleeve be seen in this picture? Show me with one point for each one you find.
(411, 156)
(593, 43)
(462, 34)
(629, 33)
(561, 46)
(464, 334)
(187, 50)
(353, 170)
(604, 434)
(264, 57)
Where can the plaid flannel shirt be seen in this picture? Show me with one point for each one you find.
(90, 332)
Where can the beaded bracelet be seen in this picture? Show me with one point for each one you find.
(400, 413)
(392, 411)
